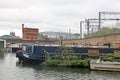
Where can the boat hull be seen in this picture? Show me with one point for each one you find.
(26, 58)
(104, 65)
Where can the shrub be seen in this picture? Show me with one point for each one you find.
(111, 56)
(81, 63)
(51, 62)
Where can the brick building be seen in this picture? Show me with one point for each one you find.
(29, 33)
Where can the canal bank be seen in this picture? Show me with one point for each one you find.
(11, 70)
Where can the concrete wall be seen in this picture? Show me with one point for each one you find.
(2, 43)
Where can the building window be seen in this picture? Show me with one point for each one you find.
(35, 37)
(32, 38)
(27, 37)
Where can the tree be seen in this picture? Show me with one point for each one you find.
(103, 31)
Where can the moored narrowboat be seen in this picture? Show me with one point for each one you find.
(36, 54)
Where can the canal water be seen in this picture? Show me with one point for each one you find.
(11, 70)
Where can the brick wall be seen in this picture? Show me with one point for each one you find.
(95, 40)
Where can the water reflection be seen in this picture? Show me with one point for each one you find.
(57, 69)
(68, 73)
(10, 70)
(57, 73)
(1, 55)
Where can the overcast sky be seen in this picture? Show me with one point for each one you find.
(50, 15)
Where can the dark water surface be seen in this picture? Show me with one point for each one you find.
(10, 70)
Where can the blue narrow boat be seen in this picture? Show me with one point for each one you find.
(28, 58)
(36, 54)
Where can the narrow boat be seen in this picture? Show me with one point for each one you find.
(36, 54)
(29, 58)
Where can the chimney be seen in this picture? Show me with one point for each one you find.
(22, 26)
(22, 30)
